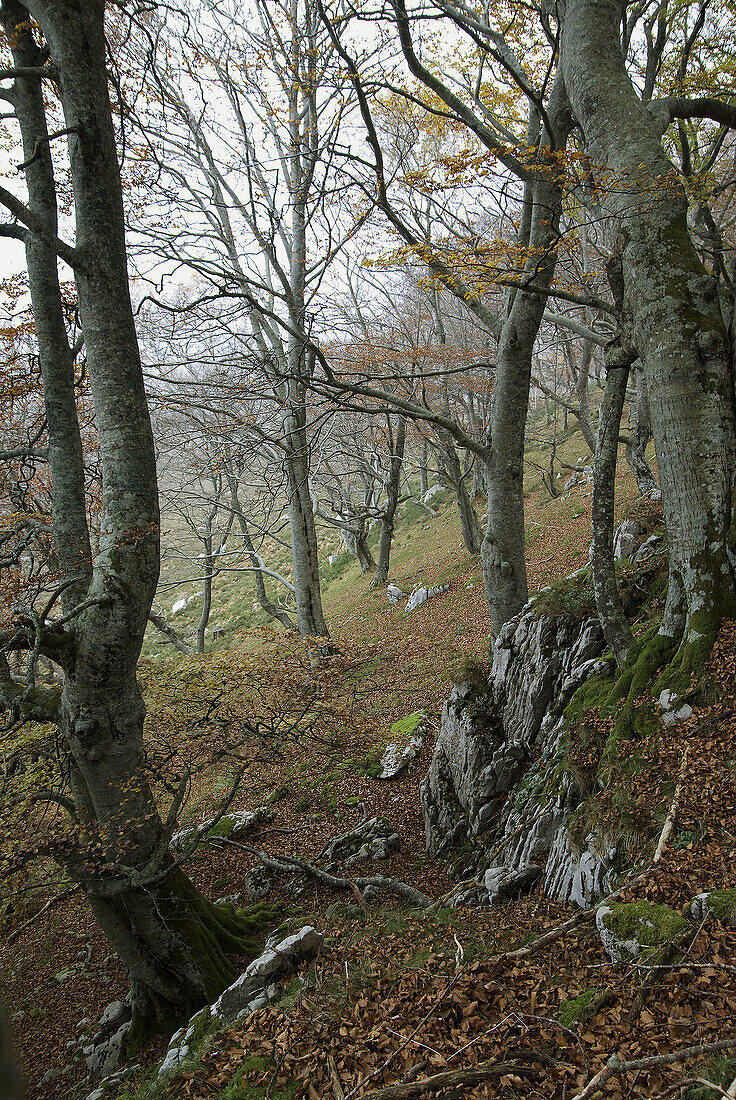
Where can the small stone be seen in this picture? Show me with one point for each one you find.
(503, 883)
(372, 839)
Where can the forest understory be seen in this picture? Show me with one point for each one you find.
(397, 997)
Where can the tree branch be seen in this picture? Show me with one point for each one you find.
(38, 227)
(667, 110)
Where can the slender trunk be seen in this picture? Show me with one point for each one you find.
(354, 539)
(309, 614)
(608, 601)
(66, 462)
(582, 390)
(470, 529)
(156, 919)
(272, 609)
(393, 486)
(671, 304)
(641, 433)
(502, 552)
(423, 481)
(209, 569)
(479, 484)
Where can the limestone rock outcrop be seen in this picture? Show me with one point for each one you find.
(499, 741)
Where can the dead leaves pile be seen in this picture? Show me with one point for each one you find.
(371, 1015)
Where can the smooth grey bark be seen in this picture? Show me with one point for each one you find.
(479, 484)
(641, 433)
(423, 459)
(397, 444)
(272, 609)
(614, 624)
(671, 305)
(354, 536)
(171, 941)
(456, 479)
(502, 551)
(583, 395)
(309, 613)
(66, 462)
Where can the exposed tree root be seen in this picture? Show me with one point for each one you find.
(287, 864)
(467, 1076)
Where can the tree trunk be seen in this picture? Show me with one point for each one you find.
(470, 529)
(393, 486)
(354, 539)
(268, 605)
(607, 599)
(479, 484)
(71, 535)
(671, 305)
(423, 481)
(582, 390)
(502, 552)
(170, 939)
(309, 614)
(641, 433)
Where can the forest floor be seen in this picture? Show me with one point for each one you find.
(395, 994)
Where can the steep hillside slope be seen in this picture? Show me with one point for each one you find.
(397, 995)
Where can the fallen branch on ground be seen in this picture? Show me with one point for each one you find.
(286, 864)
(614, 1066)
(669, 822)
(469, 1075)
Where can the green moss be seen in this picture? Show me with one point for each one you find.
(650, 925)
(573, 596)
(242, 1089)
(464, 670)
(405, 728)
(720, 1071)
(722, 904)
(276, 795)
(572, 1010)
(222, 828)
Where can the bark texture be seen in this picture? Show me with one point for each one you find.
(171, 940)
(397, 443)
(671, 304)
(615, 627)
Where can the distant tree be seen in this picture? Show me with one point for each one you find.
(247, 133)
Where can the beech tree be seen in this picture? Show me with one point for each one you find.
(249, 136)
(674, 315)
(173, 943)
(531, 154)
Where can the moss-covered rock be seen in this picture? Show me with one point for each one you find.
(628, 929)
(720, 903)
(573, 1010)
